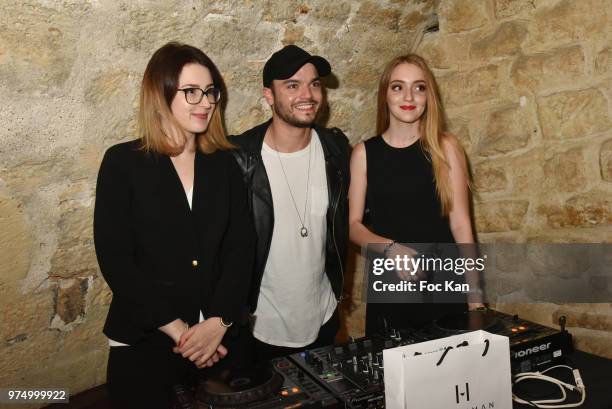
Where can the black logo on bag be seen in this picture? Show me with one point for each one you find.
(466, 392)
(462, 393)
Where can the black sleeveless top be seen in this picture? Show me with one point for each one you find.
(404, 207)
(401, 194)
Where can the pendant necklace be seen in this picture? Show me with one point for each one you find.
(303, 229)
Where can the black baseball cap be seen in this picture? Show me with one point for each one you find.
(287, 61)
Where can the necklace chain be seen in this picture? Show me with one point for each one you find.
(303, 229)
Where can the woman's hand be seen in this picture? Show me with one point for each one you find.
(201, 344)
(405, 254)
(473, 306)
(175, 329)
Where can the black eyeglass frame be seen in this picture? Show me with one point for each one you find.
(207, 92)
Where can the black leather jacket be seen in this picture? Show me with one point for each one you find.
(336, 150)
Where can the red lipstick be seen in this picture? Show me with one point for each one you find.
(408, 107)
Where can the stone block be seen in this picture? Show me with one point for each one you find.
(412, 20)
(293, 34)
(279, 11)
(443, 52)
(458, 15)
(573, 114)
(463, 88)
(75, 253)
(499, 216)
(373, 13)
(565, 171)
(561, 66)
(355, 126)
(19, 326)
(506, 130)
(16, 244)
(506, 40)
(331, 12)
(370, 13)
(459, 126)
(583, 210)
(603, 61)
(145, 28)
(568, 21)
(38, 44)
(108, 85)
(509, 8)
(490, 177)
(605, 160)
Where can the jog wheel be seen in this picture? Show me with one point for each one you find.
(238, 387)
(469, 321)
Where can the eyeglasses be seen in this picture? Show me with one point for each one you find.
(194, 96)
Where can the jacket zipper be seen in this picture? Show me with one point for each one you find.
(341, 297)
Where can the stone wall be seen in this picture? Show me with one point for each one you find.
(526, 84)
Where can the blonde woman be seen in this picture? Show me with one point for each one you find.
(413, 177)
(173, 235)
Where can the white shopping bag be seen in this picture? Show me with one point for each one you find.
(466, 371)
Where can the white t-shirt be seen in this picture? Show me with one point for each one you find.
(295, 297)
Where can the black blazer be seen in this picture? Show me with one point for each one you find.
(162, 260)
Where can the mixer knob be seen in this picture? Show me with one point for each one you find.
(370, 357)
(365, 368)
(354, 360)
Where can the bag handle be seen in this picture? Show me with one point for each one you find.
(463, 344)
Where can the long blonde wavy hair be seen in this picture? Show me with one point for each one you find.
(431, 125)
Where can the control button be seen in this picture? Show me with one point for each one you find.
(194, 262)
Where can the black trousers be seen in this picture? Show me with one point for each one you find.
(143, 376)
(327, 335)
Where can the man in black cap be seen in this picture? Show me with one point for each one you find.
(297, 174)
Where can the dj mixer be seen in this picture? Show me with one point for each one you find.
(351, 375)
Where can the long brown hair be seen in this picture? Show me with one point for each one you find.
(159, 130)
(431, 124)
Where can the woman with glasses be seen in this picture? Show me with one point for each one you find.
(413, 176)
(173, 235)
